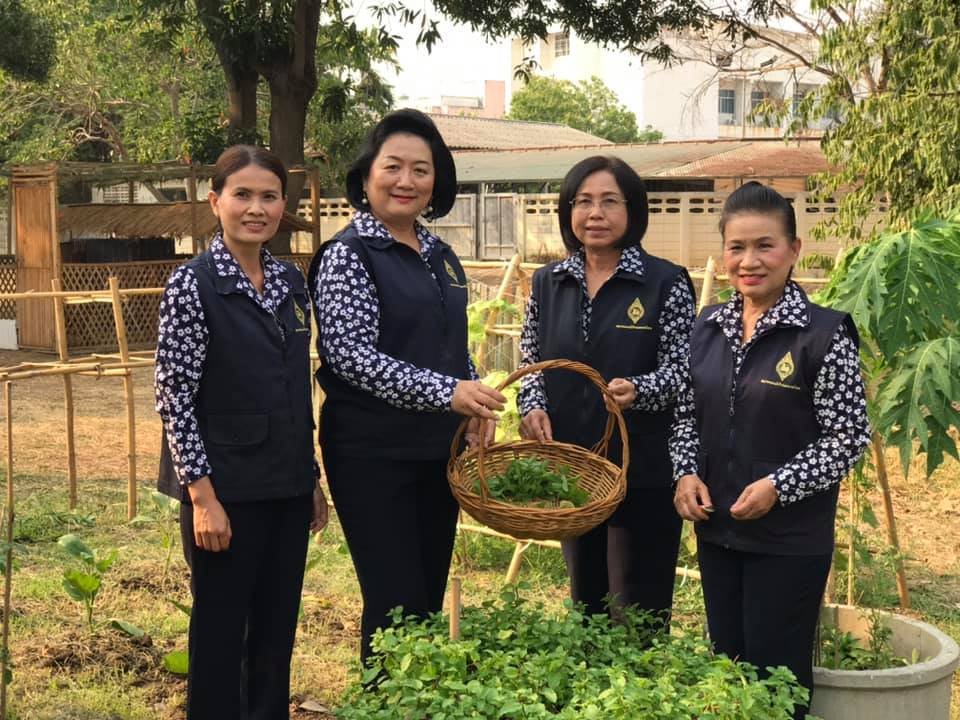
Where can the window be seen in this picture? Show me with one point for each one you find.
(728, 101)
(798, 96)
(756, 98)
(561, 44)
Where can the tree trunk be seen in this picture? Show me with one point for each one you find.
(292, 85)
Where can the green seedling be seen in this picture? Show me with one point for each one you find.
(83, 585)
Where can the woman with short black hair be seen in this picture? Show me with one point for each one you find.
(612, 305)
(771, 418)
(391, 300)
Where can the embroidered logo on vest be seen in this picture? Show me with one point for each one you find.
(454, 280)
(785, 368)
(635, 313)
(301, 317)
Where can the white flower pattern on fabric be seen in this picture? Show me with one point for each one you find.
(182, 340)
(349, 326)
(839, 402)
(656, 390)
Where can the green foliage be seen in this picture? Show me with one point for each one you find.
(206, 134)
(28, 49)
(84, 585)
(177, 662)
(114, 92)
(531, 480)
(840, 650)
(166, 517)
(894, 84)
(46, 525)
(589, 106)
(902, 290)
(516, 660)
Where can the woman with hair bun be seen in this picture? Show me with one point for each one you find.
(233, 391)
(770, 420)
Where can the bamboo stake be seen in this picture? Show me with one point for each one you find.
(455, 609)
(513, 572)
(121, 329)
(492, 315)
(881, 463)
(8, 571)
(706, 290)
(851, 545)
(194, 225)
(63, 353)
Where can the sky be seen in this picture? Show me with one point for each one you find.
(458, 64)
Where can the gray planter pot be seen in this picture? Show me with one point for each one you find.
(914, 692)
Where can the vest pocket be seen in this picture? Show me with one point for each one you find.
(238, 430)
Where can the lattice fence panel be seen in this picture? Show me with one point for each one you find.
(8, 284)
(90, 325)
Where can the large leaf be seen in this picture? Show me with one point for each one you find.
(902, 288)
(916, 401)
(77, 548)
(177, 662)
(79, 585)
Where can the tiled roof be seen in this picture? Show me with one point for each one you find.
(475, 133)
(695, 159)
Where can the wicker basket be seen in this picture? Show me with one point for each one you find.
(605, 483)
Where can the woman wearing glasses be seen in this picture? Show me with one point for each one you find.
(628, 314)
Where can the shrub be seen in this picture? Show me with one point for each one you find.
(516, 660)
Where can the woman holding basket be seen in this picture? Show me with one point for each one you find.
(391, 305)
(613, 306)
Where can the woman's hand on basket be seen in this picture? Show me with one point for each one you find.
(692, 499)
(623, 391)
(472, 434)
(536, 426)
(474, 399)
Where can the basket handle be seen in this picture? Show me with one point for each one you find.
(614, 415)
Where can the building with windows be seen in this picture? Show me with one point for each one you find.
(715, 92)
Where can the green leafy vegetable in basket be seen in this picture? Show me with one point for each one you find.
(530, 480)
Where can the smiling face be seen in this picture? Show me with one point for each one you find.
(758, 255)
(599, 214)
(249, 206)
(400, 182)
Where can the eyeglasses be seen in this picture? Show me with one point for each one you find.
(607, 205)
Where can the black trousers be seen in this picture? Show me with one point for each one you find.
(763, 609)
(399, 519)
(632, 556)
(245, 605)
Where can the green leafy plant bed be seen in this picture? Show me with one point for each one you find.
(515, 660)
(531, 481)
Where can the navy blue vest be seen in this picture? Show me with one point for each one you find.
(253, 405)
(624, 335)
(770, 419)
(421, 322)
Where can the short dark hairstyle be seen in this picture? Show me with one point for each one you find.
(237, 157)
(753, 197)
(416, 123)
(631, 186)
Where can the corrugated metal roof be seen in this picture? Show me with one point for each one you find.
(705, 159)
(149, 220)
(464, 132)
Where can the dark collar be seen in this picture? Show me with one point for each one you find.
(230, 277)
(792, 309)
(377, 236)
(630, 266)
